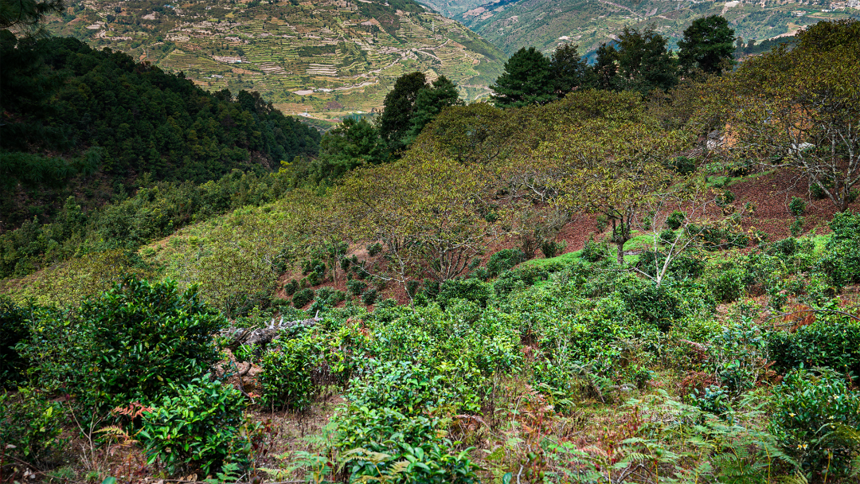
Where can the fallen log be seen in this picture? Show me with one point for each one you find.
(262, 336)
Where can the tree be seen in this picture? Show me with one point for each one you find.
(25, 16)
(527, 80)
(800, 109)
(351, 144)
(644, 61)
(430, 102)
(425, 210)
(612, 167)
(396, 120)
(569, 70)
(707, 45)
(605, 67)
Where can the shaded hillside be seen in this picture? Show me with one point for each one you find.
(324, 56)
(544, 24)
(96, 124)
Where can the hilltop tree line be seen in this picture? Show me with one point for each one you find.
(637, 61)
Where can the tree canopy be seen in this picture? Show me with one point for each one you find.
(707, 45)
(527, 80)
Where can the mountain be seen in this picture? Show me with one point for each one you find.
(322, 57)
(512, 24)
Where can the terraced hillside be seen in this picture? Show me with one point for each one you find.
(322, 58)
(511, 24)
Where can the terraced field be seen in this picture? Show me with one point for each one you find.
(320, 58)
(511, 24)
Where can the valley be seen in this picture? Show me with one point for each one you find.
(324, 58)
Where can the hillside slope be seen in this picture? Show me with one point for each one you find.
(320, 56)
(512, 24)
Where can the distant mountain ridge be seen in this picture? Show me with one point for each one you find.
(323, 57)
(512, 24)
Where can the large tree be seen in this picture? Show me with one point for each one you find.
(613, 167)
(527, 80)
(396, 120)
(800, 108)
(569, 70)
(431, 101)
(707, 45)
(638, 61)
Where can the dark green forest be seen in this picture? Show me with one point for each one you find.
(96, 125)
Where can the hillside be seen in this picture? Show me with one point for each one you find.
(321, 57)
(512, 24)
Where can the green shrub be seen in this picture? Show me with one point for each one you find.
(841, 262)
(668, 237)
(675, 220)
(738, 356)
(726, 198)
(369, 297)
(504, 260)
(595, 251)
(796, 206)
(796, 227)
(286, 378)
(468, 289)
(394, 410)
(355, 288)
(374, 249)
(551, 248)
(303, 297)
(726, 283)
(683, 165)
(654, 305)
(291, 287)
(30, 430)
(810, 415)
(829, 341)
(196, 427)
(125, 345)
(14, 321)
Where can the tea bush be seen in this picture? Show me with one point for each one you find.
(126, 344)
(841, 262)
(595, 251)
(809, 410)
(396, 409)
(468, 289)
(303, 297)
(31, 428)
(675, 220)
(14, 321)
(196, 427)
(832, 341)
(504, 260)
(286, 376)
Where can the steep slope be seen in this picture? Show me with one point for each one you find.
(511, 24)
(319, 56)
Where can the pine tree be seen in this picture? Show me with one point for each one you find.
(527, 80)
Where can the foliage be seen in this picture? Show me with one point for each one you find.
(302, 297)
(124, 345)
(707, 45)
(643, 62)
(396, 120)
(286, 378)
(829, 341)
(129, 118)
(798, 107)
(31, 428)
(195, 426)
(431, 100)
(841, 262)
(504, 260)
(15, 323)
(810, 413)
(468, 289)
(527, 80)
